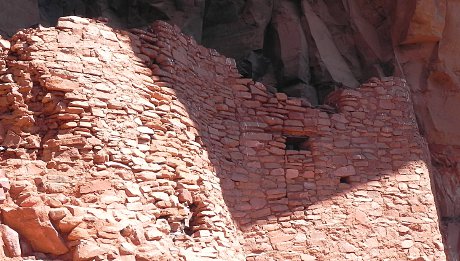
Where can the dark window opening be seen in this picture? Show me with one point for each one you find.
(345, 180)
(297, 143)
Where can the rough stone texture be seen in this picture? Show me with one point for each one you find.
(428, 56)
(143, 145)
(10, 239)
(34, 225)
(290, 57)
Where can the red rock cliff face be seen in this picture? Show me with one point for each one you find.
(146, 146)
(427, 49)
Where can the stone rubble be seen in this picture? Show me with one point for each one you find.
(143, 145)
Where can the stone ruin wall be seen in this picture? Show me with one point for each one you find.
(146, 146)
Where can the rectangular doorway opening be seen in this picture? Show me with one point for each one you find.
(298, 143)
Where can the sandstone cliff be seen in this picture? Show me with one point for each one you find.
(303, 48)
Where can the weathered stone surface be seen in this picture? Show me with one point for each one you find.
(87, 250)
(226, 170)
(427, 22)
(35, 226)
(97, 185)
(345, 171)
(432, 27)
(330, 55)
(288, 43)
(59, 84)
(10, 239)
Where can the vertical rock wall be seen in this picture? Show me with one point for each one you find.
(145, 146)
(428, 52)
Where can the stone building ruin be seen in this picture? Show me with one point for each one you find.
(144, 145)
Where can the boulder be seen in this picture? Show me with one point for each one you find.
(33, 224)
(87, 250)
(10, 238)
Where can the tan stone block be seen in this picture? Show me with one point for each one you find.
(96, 185)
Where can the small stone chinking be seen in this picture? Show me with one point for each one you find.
(143, 145)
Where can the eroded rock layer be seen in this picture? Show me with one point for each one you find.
(143, 145)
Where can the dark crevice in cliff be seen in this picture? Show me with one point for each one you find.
(271, 40)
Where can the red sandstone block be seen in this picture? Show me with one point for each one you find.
(271, 120)
(277, 151)
(326, 122)
(257, 136)
(244, 81)
(281, 96)
(342, 143)
(361, 163)
(257, 90)
(68, 25)
(295, 130)
(296, 123)
(67, 116)
(60, 84)
(279, 236)
(277, 172)
(308, 174)
(294, 108)
(253, 124)
(386, 104)
(339, 160)
(257, 203)
(180, 55)
(239, 177)
(93, 186)
(242, 94)
(75, 140)
(262, 213)
(407, 178)
(296, 115)
(292, 173)
(344, 171)
(251, 104)
(276, 193)
(279, 208)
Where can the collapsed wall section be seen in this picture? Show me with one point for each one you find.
(146, 145)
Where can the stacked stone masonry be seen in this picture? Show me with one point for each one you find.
(143, 145)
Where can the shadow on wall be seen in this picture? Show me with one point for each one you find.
(297, 47)
(295, 178)
(298, 182)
